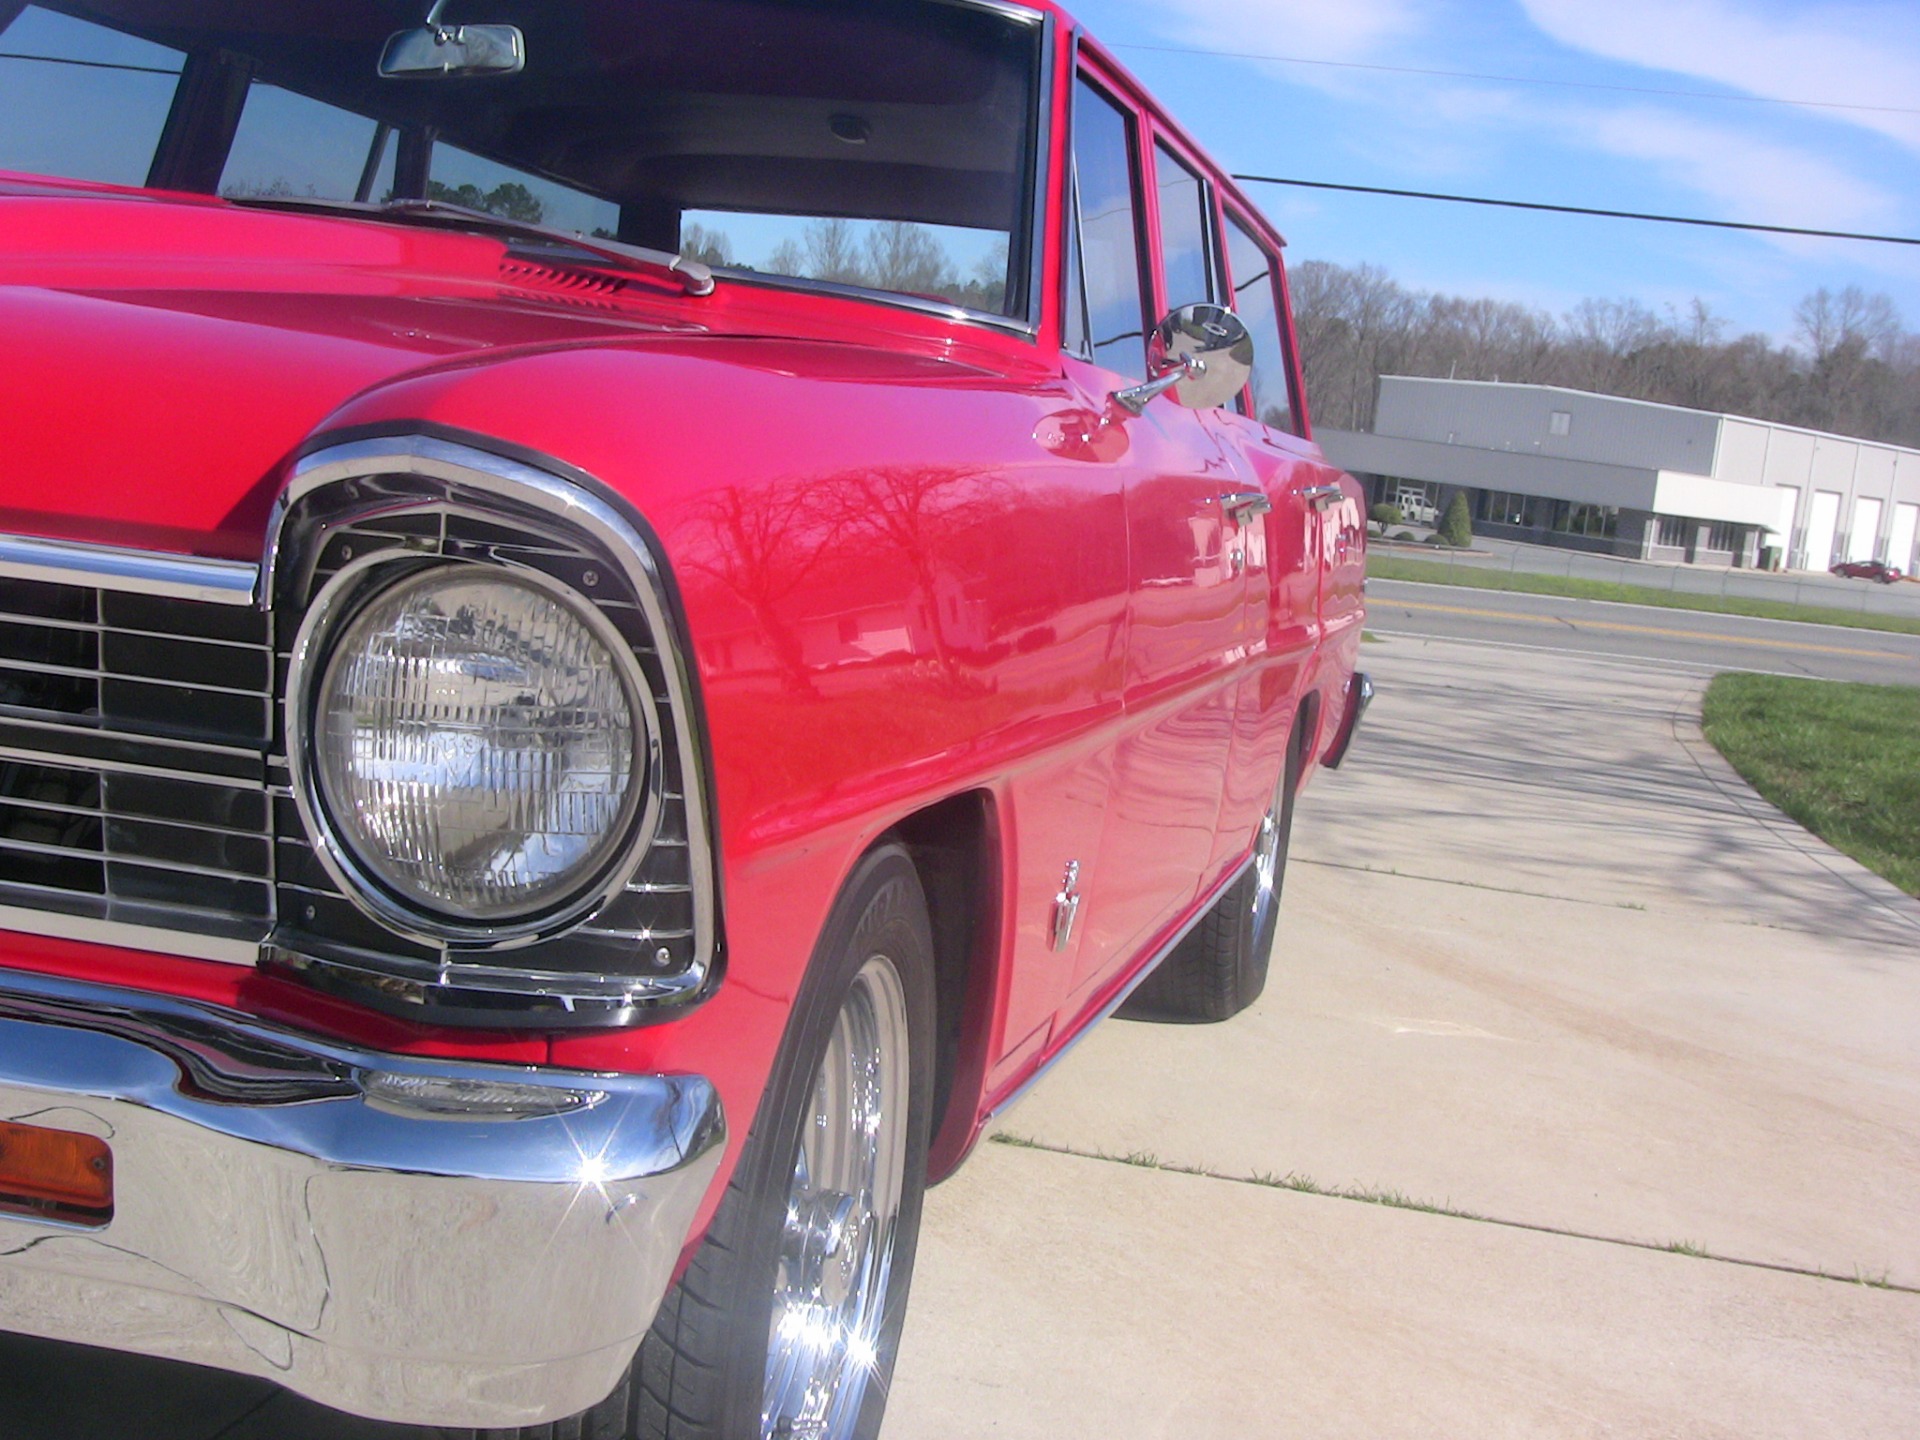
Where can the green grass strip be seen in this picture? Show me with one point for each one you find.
(1843, 760)
(1474, 577)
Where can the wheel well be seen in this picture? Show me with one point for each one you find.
(955, 845)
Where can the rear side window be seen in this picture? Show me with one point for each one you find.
(82, 100)
(1109, 232)
(1256, 299)
(1185, 256)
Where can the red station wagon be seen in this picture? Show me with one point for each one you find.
(617, 622)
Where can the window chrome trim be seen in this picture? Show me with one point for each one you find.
(574, 506)
(343, 597)
(134, 572)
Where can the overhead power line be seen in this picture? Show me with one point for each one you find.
(89, 64)
(1586, 210)
(1528, 80)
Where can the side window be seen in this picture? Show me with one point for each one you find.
(1185, 257)
(1256, 299)
(1109, 232)
(82, 101)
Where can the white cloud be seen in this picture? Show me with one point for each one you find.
(1315, 29)
(1749, 178)
(1857, 55)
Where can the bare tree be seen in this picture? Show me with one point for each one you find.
(1857, 371)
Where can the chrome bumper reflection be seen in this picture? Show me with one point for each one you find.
(427, 1241)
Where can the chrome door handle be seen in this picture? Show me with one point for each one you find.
(1321, 496)
(1240, 506)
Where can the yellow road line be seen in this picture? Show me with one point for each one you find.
(1384, 604)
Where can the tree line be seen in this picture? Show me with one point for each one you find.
(1852, 368)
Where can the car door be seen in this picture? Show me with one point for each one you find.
(1289, 559)
(1310, 600)
(1186, 580)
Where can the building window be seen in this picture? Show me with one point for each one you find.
(1560, 422)
(1497, 507)
(1723, 535)
(1597, 522)
(1672, 531)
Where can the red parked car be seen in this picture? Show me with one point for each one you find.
(1867, 570)
(617, 622)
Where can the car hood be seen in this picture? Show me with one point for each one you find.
(168, 355)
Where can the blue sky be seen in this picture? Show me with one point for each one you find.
(1599, 135)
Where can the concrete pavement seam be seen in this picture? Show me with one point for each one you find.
(1395, 1200)
(1469, 884)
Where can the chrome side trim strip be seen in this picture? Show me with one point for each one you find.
(136, 572)
(125, 936)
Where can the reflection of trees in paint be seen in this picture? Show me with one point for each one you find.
(763, 544)
(915, 512)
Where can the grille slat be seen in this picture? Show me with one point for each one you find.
(132, 758)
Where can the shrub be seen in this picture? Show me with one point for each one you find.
(1401, 535)
(1385, 515)
(1456, 526)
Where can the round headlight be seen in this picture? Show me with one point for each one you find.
(478, 744)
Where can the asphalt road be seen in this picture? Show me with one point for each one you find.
(1689, 639)
(1796, 587)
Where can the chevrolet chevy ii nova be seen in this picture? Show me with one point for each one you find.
(617, 621)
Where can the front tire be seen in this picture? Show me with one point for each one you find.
(787, 1320)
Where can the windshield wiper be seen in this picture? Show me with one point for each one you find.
(693, 277)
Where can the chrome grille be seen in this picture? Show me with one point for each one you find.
(133, 739)
(145, 795)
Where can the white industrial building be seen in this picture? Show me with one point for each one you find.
(1629, 477)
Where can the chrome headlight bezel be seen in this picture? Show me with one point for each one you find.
(327, 620)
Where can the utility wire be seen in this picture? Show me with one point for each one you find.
(1526, 80)
(89, 64)
(1586, 210)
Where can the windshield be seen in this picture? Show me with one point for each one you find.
(879, 143)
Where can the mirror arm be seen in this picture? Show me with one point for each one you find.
(1134, 398)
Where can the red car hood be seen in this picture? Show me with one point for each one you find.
(164, 356)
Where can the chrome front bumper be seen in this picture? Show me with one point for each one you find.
(426, 1241)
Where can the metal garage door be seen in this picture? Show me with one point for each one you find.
(1906, 520)
(1822, 519)
(1866, 529)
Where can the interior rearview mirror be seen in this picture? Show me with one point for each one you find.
(440, 52)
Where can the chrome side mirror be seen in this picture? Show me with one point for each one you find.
(1202, 353)
(447, 52)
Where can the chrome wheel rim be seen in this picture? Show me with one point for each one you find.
(843, 1207)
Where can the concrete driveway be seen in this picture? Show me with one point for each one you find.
(1606, 1075)
(1585, 1102)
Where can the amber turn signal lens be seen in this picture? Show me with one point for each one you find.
(55, 1173)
